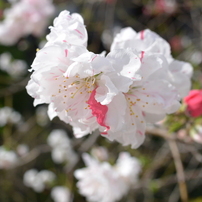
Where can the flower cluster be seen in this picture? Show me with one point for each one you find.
(14, 68)
(101, 182)
(9, 115)
(61, 147)
(38, 180)
(136, 83)
(23, 18)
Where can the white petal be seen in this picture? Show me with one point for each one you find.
(106, 90)
(125, 62)
(116, 112)
(182, 67)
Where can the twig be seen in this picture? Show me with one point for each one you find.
(180, 170)
(164, 134)
(169, 180)
(86, 145)
(161, 133)
(33, 154)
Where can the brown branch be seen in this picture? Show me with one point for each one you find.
(164, 134)
(161, 133)
(180, 170)
(169, 180)
(33, 154)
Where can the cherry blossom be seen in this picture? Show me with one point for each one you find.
(14, 68)
(68, 28)
(9, 115)
(128, 167)
(61, 147)
(145, 95)
(60, 194)
(7, 158)
(25, 17)
(105, 183)
(66, 76)
(38, 180)
(117, 94)
(22, 149)
(179, 72)
(99, 181)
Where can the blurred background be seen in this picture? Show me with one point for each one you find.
(24, 129)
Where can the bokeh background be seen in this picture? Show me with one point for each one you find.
(168, 143)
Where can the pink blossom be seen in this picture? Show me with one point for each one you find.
(23, 18)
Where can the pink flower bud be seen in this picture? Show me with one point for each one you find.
(194, 103)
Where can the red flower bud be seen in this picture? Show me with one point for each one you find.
(194, 103)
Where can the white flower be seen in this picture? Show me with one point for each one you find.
(195, 57)
(38, 180)
(5, 61)
(46, 176)
(65, 77)
(15, 68)
(69, 29)
(23, 18)
(29, 177)
(145, 95)
(22, 149)
(179, 73)
(61, 147)
(73, 72)
(128, 167)
(144, 40)
(58, 138)
(117, 94)
(7, 158)
(8, 115)
(60, 194)
(99, 182)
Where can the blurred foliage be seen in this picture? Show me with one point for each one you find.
(182, 28)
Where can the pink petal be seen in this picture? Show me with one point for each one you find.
(98, 110)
